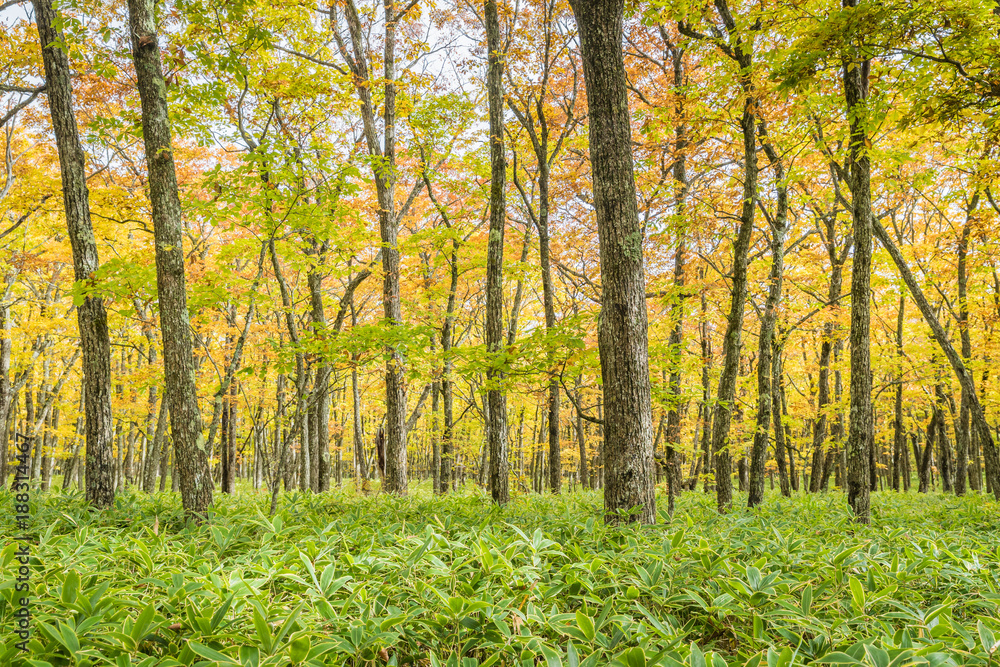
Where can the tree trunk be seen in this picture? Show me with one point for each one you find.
(705, 408)
(859, 440)
(191, 462)
(91, 316)
(622, 336)
(962, 425)
(580, 435)
(673, 434)
(741, 53)
(496, 424)
(779, 431)
(321, 388)
(898, 435)
(767, 342)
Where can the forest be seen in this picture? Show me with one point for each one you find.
(515, 332)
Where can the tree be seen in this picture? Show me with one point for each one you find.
(739, 49)
(91, 315)
(856, 69)
(767, 341)
(530, 108)
(496, 416)
(622, 334)
(383, 156)
(191, 452)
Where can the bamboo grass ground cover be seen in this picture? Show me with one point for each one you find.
(337, 579)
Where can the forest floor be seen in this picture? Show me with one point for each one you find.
(336, 579)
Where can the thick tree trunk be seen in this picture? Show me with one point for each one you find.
(767, 342)
(191, 463)
(859, 442)
(496, 425)
(91, 316)
(622, 336)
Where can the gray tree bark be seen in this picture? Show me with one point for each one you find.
(679, 173)
(191, 463)
(898, 434)
(91, 315)
(962, 439)
(860, 433)
(767, 341)
(622, 333)
(496, 425)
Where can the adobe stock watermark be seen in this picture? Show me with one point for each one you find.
(22, 515)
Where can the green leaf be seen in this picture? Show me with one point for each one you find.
(586, 625)
(838, 659)
(572, 658)
(142, 623)
(70, 587)
(697, 658)
(300, 648)
(211, 654)
(858, 594)
(552, 658)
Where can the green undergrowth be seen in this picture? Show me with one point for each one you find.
(339, 580)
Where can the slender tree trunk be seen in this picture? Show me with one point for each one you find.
(580, 434)
(436, 436)
(622, 335)
(779, 431)
(962, 424)
(732, 344)
(859, 442)
(767, 342)
(191, 454)
(6, 388)
(705, 408)
(673, 434)
(898, 435)
(91, 315)
(321, 389)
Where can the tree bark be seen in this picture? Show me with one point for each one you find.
(859, 441)
(732, 343)
(898, 435)
(779, 431)
(962, 425)
(191, 462)
(622, 335)
(496, 424)
(91, 315)
(767, 341)
(679, 173)
(321, 387)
